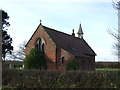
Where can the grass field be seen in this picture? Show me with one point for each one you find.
(107, 69)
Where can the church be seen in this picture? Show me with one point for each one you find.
(60, 48)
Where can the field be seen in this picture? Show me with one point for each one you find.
(107, 69)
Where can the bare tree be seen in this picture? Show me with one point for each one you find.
(116, 45)
(116, 5)
(19, 54)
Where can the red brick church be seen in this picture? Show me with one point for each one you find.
(60, 48)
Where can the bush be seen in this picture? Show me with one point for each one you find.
(73, 65)
(35, 60)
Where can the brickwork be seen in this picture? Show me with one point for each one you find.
(54, 55)
(86, 63)
(67, 56)
(49, 50)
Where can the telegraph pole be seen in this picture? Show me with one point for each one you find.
(0, 49)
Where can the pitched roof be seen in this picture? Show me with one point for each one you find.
(73, 45)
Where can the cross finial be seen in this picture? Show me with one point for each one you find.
(40, 22)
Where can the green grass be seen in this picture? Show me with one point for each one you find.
(107, 69)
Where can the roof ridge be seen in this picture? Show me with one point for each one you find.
(60, 32)
(68, 41)
(56, 30)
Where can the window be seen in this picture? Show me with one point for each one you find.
(38, 44)
(62, 60)
(43, 47)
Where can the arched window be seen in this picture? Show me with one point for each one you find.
(62, 60)
(43, 47)
(38, 44)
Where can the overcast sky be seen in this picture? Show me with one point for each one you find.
(96, 17)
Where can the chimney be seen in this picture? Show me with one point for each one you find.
(73, 34)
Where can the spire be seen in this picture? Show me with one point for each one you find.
(80, 32)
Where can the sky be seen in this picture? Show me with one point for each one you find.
(95, 16)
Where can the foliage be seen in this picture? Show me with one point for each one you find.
(73, 65)
(35, 60)
(6, 39)
(35, 78)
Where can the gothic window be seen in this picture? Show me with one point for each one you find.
(62, 60)
(43, 47)
(38, 45)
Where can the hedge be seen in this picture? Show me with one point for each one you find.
(107, 64)
(59, 79)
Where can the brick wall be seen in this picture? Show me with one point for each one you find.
(67, 57)
(86, 63)
(49, 48)
(52, 53)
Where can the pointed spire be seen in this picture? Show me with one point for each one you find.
(80, 32)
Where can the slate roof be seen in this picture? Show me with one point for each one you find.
(73, 45)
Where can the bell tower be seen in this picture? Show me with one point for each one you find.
(80, 32)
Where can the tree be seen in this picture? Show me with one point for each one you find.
(35, 60)
(73, 65)
(18, 54)
(6, 39)
(116, 5)
(116, 45)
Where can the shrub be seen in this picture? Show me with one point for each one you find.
(73, 65)
(35, 60)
